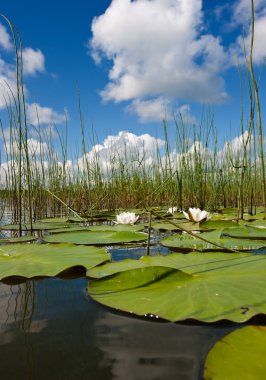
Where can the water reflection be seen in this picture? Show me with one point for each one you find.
(145, 350)
(51, 329)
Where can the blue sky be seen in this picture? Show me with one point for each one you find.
(132, 61)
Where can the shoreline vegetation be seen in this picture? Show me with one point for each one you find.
(189, 172)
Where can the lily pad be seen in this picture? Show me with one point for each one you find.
(188, 243)
(208, 288)
(239, 355)
(258, 223)
(217, 224)
(246, 233)
(69, 229)
(64, 220)
(18, 239)
(96, 237)
(117, 227)
(102, 227)
(33, 260)
(35, 226)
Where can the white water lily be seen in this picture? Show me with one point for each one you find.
(197, 215)
(126, 218)
(171, 210)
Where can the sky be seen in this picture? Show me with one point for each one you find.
(132, 62)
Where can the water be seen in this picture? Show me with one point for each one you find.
(51, 329)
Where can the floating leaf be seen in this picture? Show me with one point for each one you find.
(217, 224)
(117, 227)
(31, 260)
(102, 227)
(55, 220)
(258, 223)
(69, 229)
(35, 226)
(18, 239)
(164, 226)
(96, 237)
(208, 287)
(239, 355)
(246, 233)
(188, 243)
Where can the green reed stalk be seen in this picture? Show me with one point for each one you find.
(259, 120)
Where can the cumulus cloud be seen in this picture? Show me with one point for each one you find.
(158, 109)
(242, 11)
(151, 110)
(7, 83)
(5, 41)
(37, 114)
(156, 49)
(35, 147)
(33, 61)
(241, 15)
(123, 147)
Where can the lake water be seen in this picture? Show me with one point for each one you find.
(51, 329)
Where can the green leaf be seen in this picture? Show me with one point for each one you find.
(246, 233)
(35, 226)
(102, 227)
(240, 355)
(96, 237)
(206, 287)
(188, 243)
(19, 239)
(117, 227)
(217, 224)
(31, 260)
(56, 220)
(258, 223)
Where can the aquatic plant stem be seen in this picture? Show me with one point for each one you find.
(63, 203)
(257, 99)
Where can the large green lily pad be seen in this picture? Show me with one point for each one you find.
(31, 260)
(247, 232)
(35, 226)
(258, 223)
(18, 239)
(206, 287)
(96, 237)
(188, 243)
(217, 224)
(117, 227)
(240, 355)
(102, 227)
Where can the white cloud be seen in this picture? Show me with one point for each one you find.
(158, 109)
(33, 61)
(7, 83)
(242, 10)
(36, 114)
(123, 147)
(234, 149)
(242, 16)
(5, 41)
(151, 110)
(35, 147)
(157, 51)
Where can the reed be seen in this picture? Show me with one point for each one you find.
(190, 170)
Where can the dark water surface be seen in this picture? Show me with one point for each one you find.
(51, 329)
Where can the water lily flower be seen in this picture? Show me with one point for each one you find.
(171, 210)
(197, 215)
(126, 218)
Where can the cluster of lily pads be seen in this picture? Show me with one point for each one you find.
(221, 276)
